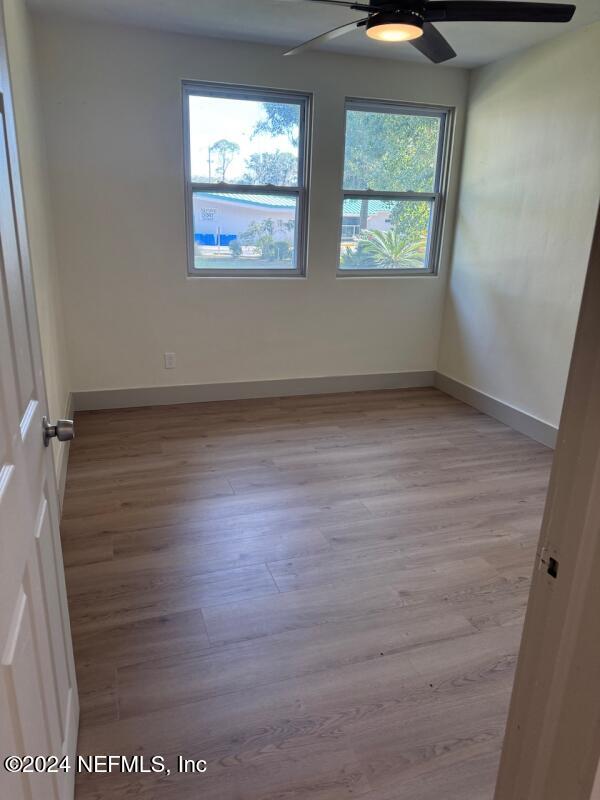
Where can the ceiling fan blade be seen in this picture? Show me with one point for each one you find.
(345, 4)
(433, 45)
(325, 37)
(496, 11)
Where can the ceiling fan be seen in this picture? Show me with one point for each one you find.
(411, 20)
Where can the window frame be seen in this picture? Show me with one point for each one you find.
(437, 197)
(301, 191)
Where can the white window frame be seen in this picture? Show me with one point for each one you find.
(437, 197)
(232, 91)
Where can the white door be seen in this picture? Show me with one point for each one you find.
(552, 744)
(38, 694)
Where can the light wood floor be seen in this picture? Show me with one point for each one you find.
(321, 596)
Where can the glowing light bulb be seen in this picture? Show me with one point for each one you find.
(399, 26)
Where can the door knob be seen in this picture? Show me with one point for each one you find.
(63, 430)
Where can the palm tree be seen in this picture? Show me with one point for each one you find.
(390, 250)
(225, 152)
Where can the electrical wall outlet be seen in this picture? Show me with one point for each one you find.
(170, 361)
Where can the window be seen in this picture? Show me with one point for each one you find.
(394, 188)
(246, 165)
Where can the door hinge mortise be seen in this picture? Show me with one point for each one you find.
(547, 563)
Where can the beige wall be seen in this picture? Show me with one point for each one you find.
(112, 113)
(32, 159)
(528, 200)
(112, 122)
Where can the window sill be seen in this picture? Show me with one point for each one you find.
(245, 274)
(386, 273)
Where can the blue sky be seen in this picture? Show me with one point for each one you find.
(214, 118)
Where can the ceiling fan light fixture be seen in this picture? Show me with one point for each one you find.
(396, 27)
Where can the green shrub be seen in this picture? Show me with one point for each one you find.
(357, 258)
(283, 249)
(235, 248)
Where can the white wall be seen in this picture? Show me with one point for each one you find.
(112, 111)
(34, 176)
(529, 195)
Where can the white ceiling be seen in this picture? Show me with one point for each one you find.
(288, 22)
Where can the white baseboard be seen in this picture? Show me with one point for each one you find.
(246, 390)
(513, 417)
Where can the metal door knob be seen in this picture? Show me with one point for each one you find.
(63, 430)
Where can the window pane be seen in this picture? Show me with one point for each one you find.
(390, 152)
(385, 234)
(244, 231)
(244, 141)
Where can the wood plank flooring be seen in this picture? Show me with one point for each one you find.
(321, 596)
